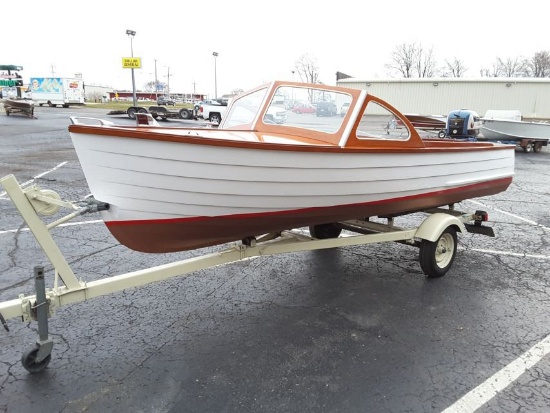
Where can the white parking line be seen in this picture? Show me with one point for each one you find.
(30, 181)
(511, 254)
(68, 224)
(509, 214)
(476, 398)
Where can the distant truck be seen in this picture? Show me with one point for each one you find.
(212, 112)
(53, 91)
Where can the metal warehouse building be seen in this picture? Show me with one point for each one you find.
(431, 96)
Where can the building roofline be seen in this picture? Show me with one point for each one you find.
(449, 80)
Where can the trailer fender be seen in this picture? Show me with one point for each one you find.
(433, 226)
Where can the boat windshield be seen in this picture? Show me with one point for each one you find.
(310, 108)
(245, 109)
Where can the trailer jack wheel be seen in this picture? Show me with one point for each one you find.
(437, 257)
(29, 360)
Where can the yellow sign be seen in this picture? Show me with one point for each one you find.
(131, 62)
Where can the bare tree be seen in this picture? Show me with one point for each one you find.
(511, 67)
(455, 68)
(307, 69)
(403, 59)
(94, 96)
(490, 72)
(425, 63)
(538, 65)
(411, 60)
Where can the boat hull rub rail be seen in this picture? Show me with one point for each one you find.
(436, 237)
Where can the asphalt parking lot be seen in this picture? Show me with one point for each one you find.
(354, 329)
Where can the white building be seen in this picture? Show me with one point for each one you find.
(439, 96)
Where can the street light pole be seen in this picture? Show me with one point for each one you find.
(131, 34)
(156, 82)
(215, 54)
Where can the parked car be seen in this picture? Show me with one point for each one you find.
(165, 101)
(275, 114)
(344, 109)
(303, 108)
(326, 109)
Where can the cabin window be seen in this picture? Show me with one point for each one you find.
(245, 109)
(378, 122)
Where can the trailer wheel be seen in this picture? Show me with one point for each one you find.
(441, 134)
(142, 110)
(325, 231)
(28, 359)
(184, 114)
(437, 257)
(131, 113)
(528, 148)
(537, 147)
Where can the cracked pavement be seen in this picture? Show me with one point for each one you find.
(352, 329)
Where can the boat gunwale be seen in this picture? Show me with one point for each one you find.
(144, 133)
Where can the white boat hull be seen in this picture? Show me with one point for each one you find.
(243, 190)
(503, 129)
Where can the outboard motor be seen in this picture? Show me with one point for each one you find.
(463, 124)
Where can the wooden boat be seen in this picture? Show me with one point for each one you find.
(23, 106)
(435, 122)
(426, 123)
(176, 188)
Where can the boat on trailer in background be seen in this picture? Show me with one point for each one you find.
(10, 91)
(508, 126)
(22, 106)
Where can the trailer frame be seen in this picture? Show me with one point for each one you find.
(435, 237)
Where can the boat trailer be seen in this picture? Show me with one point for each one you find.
(436, 238)
(21, 106)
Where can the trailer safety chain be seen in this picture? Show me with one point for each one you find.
(3, 320)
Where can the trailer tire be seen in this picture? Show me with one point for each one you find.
(184, 114)
(437, 257)
(528, 148)
(131, 113)
(325, 231)
(441, 134)
(538, 147)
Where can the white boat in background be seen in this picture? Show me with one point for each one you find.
(508, 126)
(180, 188)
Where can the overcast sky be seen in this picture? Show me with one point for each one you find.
(258, 40)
